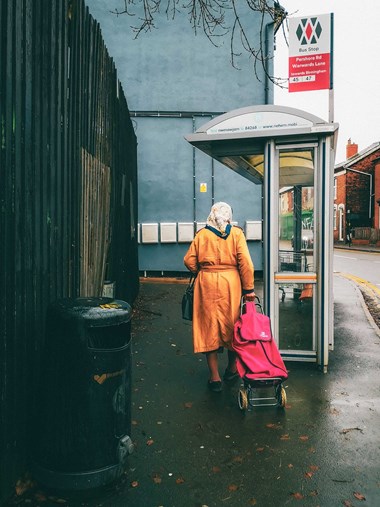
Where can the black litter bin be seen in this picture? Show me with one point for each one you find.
(84, 402)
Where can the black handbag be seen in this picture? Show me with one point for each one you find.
(187, 300)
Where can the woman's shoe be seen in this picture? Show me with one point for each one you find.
(230, 375)
(215, 385)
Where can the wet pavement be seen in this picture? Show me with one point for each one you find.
(195, 448)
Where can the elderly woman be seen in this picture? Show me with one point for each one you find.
(219, 255)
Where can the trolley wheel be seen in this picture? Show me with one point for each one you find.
(243, 399)
(281, 396)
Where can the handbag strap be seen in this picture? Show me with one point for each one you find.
(192, 280)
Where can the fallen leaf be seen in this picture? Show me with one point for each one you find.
(260, 449)
(134, 423)
(285, 437)
(237, 459)
(157, 479)
(134, 484)
(253, 501)
(314, 493)
(233, 487)
(312, 450)
(314, 468)
(297, 496)
(188, 404)
(347, 503)
(308, 475)
(150, 442)
(347, 430)
(304, 438)
(40, 497)
(216, 470)
(290, 465)
(180, 480)
(359, 496)
(54, 499)
(22, 486)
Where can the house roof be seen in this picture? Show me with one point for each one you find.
(359, 156)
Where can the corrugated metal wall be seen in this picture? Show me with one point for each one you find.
(68, 191)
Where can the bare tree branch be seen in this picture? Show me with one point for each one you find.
(260, 54)
(209, 16)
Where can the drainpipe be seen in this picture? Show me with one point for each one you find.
(194, 190)
(265, 62)
(212, 182)
(278, 15)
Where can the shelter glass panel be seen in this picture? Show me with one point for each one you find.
(296, 209)
(296, 173)
(296, 316)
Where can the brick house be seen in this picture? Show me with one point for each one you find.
(357, 195)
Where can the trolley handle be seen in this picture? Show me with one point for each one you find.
(256, 301)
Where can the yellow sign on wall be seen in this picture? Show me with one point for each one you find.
(203, 187)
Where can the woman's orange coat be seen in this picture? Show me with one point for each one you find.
(224, 268)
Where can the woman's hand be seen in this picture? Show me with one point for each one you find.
(250, 297)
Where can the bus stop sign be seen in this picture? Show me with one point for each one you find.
(310, 53)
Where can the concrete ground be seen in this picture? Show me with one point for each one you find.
(195, 448)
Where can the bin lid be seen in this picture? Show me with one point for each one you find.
(93, 311)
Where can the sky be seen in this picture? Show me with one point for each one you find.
(356, 70)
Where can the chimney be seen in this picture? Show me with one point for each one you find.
(351, 149)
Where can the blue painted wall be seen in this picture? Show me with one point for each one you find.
(170, 69)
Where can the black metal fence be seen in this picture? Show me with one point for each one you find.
(68, 192)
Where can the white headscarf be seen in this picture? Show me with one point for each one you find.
(220, 216)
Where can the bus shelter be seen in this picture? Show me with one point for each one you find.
(291, 153)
